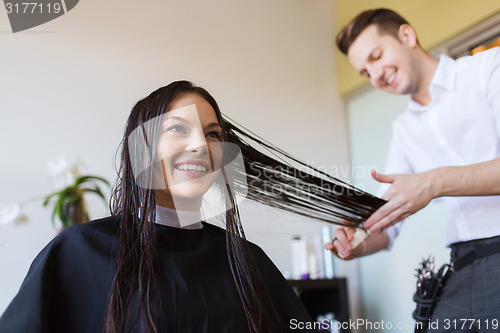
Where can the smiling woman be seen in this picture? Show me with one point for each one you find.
(154, 265)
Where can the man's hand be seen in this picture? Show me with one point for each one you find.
(341, 246)
(407, 195)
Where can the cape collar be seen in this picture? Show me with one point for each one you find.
(177, 218)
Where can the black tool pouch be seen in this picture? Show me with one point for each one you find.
(429, 286)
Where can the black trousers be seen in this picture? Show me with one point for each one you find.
(470, 301)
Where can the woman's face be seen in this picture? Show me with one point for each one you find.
(189, 149)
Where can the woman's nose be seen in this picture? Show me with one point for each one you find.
(197, 143)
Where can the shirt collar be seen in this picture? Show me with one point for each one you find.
(443, 79)
(177, 218)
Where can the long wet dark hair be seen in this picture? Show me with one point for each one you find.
(306, 191)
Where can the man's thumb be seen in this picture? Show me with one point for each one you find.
(381, 177)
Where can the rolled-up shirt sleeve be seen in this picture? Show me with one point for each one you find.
(492, 69)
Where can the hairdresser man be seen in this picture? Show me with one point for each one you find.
(446, 144)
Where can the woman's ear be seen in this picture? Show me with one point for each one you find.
(407, 35)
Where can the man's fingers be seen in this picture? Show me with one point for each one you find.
(381, 178)
(340, 245)
(380, 214)
(349, 232)
(389, 220)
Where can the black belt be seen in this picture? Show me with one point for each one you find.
(478, 253)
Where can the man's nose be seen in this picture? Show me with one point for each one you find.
(376, 75)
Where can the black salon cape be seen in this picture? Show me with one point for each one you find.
(66, 288)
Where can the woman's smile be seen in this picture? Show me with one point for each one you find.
(192, 168)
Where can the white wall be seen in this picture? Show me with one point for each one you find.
(66, 88)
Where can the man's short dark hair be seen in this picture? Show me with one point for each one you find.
(387, 21)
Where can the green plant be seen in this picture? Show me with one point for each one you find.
(69, 205)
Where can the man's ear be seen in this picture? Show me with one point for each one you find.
(407, 35)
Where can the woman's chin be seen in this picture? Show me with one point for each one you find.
(188, 193)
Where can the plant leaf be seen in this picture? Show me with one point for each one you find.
(84, 179)
(95, 190)
(48, 198)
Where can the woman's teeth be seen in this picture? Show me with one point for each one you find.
(191, 167)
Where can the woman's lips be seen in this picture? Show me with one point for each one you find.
(192, 169)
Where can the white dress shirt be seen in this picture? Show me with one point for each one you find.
(460, 126)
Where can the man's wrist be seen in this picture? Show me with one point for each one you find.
(436, 179)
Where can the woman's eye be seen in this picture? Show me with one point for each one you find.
(214, 134)
(177, 128)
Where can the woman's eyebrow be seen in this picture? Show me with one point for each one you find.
(177, 117)
(214, 124)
